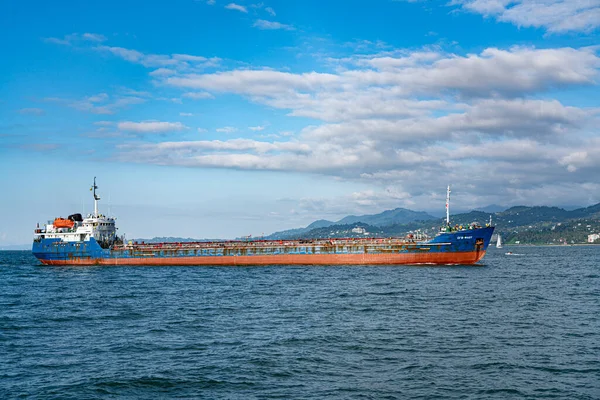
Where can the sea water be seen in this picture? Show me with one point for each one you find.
(521, 325)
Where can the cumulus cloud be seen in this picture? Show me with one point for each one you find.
(198, 95)
(227, 129)
(163, 62)
(534, 118)
(236, 7)
(272, 25)
(556, 16)
(494, 72)
(254, 82)
(368, 159)
(423, 118)
(93, 37)
(145, 127)
(513, 72)
(493, 145)
(398, 93)
(163, 72)
(76, 38)
(583, 158)
(406, 121)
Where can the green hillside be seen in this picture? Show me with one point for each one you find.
(517, 225)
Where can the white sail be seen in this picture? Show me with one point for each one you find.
(499, 242)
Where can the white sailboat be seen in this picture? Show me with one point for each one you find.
(499, 242)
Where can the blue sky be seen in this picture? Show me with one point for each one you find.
(221, 119)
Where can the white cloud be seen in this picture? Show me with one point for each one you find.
(237, 7)
(556, 16)
(75, 38)
(421, 117)
(98, 98)
(254, 82)
(270, 11)
(163, 72)
(202, 130)
(488, 120)
(189, 57)
(227, 129)
(493, 144)
(198, 95)
(494, 72)
(272, 25)
(186, 114)
(54, 40)
(164, 63)
(93, 37)
(150, 127)
(126, 54)
(389, 87)
(584, 157)
(393, 62)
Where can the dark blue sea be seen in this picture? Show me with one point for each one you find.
(517, 326)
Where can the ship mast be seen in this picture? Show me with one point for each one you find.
(96, 198)
(448, 206)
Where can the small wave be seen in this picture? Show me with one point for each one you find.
(568, 370)
(503, 391)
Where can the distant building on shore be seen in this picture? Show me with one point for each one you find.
(593, 237)
(360, 230)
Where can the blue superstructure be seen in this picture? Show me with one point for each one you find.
(56, 249)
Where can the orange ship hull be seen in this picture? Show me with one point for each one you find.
(461, 258)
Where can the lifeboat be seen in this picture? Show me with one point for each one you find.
(63, 223)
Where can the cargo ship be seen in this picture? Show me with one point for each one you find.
(93, 240)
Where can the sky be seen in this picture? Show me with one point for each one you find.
(220, 119)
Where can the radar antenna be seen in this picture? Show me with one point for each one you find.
(96, 198)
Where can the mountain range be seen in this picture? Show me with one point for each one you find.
(397, 216)
(539, 224)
